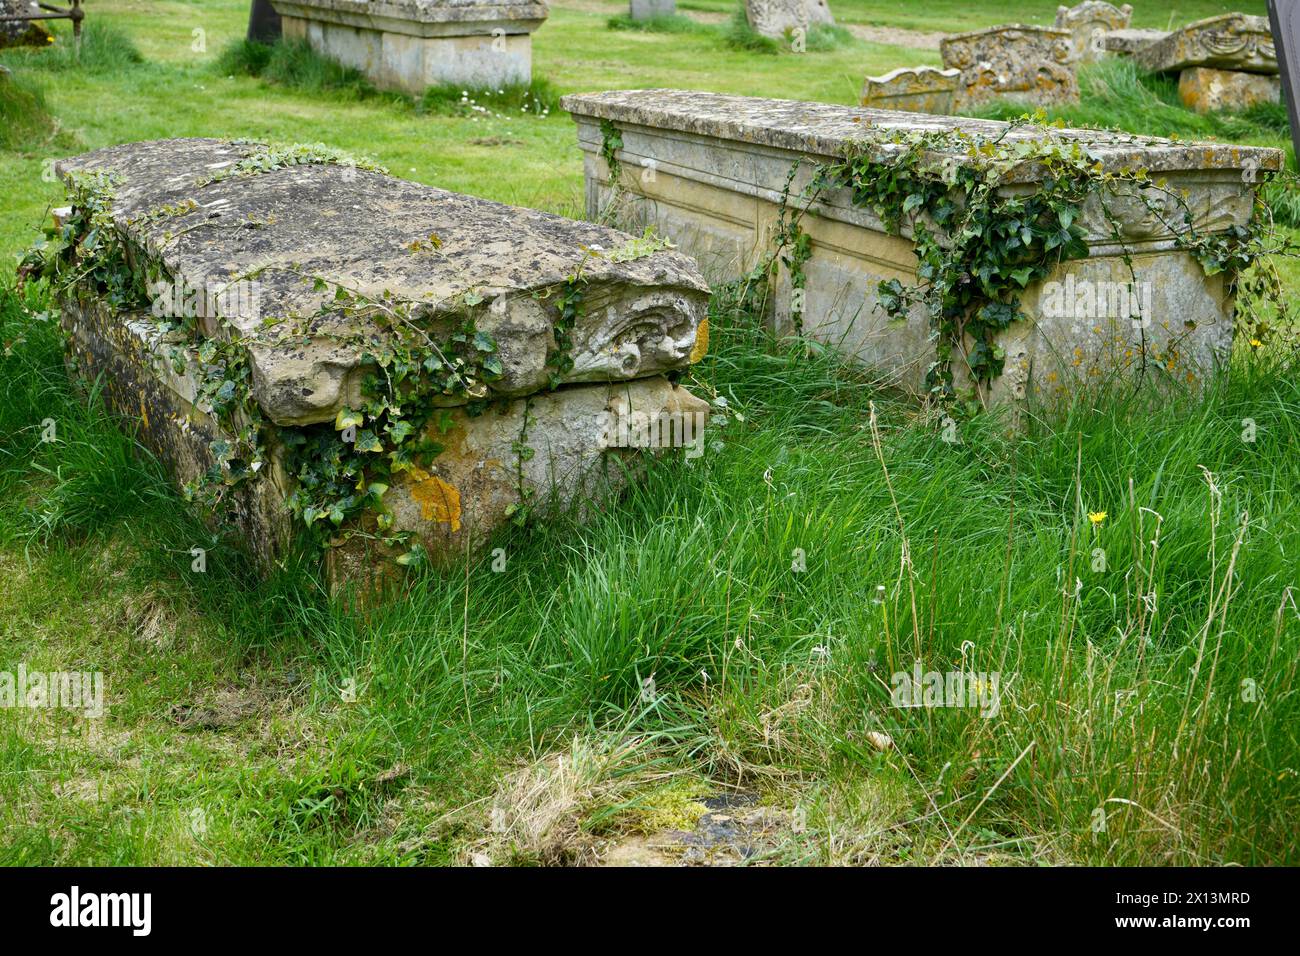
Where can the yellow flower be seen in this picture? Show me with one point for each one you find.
(1096, 517)
(1255, 343)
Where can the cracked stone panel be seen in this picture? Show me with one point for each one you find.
(1013, 61)
(372, 234)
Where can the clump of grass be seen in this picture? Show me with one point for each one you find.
(24, 120)
(825, 37)
(104, 49)
(741, 36)
(667, 23)
(535, 98)
(295, 65)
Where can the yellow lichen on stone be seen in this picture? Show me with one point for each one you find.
(438, 500)
(701, 347)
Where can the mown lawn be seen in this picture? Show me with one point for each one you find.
(828, 538)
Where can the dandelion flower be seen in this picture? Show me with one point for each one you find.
(1096, 517)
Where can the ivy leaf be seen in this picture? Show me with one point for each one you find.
(367, 441)
(347, 418)
(399, 430)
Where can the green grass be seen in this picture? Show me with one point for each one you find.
(1131, 686)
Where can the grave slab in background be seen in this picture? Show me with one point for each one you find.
(1233, 41)
(1089, 22)
(410, 45)
(1284, 19)
(1014, 61)
(775, 18)
(649, 9)
(1129, 42)
(708, 171)
(921, 89)
(189, 209)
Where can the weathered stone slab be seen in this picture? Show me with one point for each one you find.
(187, 208)
(1233, 41)
(411, 45)
(649, 9)
(21, 32)
(775, 18)
(1129, 42)
(921, 89)
(1028, 63)
(375, 234)
(709, 171)
(1089, 22)
(1207, 90)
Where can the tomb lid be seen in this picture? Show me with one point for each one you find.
(212, 211)
(824, 130)
(420, 11)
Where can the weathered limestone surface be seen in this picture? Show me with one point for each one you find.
(1233, 41)
(921, 89)
(642, 316)
(1013, 61)
(649, 9)
(1089, 22)
(719, 164)
(411, 45)
(21, 32)
(1129, 42)
(1208, 90)
(773, 18)
(355, 227)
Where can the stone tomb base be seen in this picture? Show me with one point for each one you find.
(1208, 90)
(403, 45)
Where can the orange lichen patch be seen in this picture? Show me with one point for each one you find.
(701, 346)
(438, 500)
(144, 415)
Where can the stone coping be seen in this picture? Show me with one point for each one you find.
(356, 228)
(826, 130)
(419, 17)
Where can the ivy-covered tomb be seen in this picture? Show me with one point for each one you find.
(313, 345)
(976, 260)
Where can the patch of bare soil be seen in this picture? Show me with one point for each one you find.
(732, 832)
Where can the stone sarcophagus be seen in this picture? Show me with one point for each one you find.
(1089, 22)
(1035, 64)
(724, 176)
(396, 370)
(410, 45)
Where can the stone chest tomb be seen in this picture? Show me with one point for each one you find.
(410, 45)
(729, 178)
(400, 369)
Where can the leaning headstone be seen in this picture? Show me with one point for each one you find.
(1284, 18)
(410, 45)
(1035, 64)
(1129, 42)
(649, 9)
(1089, 22)
(921, 89)
(776, 18)
(21, 32)
(327, 346)
(721, 165)
(1233, 41)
